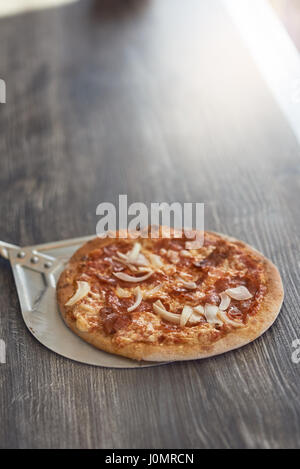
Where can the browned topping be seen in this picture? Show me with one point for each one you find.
(102, 278)
(221, 252)
(112, 321)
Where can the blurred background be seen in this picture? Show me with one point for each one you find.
(287, 10)
(127, 83)
(289, 13)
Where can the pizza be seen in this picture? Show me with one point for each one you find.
(154, 299)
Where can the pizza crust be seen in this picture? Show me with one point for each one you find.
(256, 325)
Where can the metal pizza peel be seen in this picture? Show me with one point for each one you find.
(36, 270)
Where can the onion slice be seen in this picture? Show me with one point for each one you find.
(210, 313)
(133, 257)
(83, 289)
(226, 319)
(185, 253)
(189, 285)
(129, 278)
(141, 260)
(199, 309)
(133, 254)
(144, 269)
(155, 260)
(121, 261)
(138, 299)
(122, 256)
(185, 315)
(239, 293)
(225, 301)
(194, 318)
(153, 291)
(161, 311)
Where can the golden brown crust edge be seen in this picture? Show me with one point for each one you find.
(256, 326)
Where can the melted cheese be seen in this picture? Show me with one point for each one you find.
(173, 279)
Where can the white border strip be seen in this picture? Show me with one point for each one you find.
(273, 51)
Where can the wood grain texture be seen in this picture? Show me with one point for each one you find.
(163, 102)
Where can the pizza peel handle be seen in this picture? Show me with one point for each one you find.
(28, 257)
(4, 247)
(35, 274)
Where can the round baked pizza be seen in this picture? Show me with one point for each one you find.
(155, 299)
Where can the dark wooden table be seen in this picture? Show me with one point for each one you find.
(159, 100)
